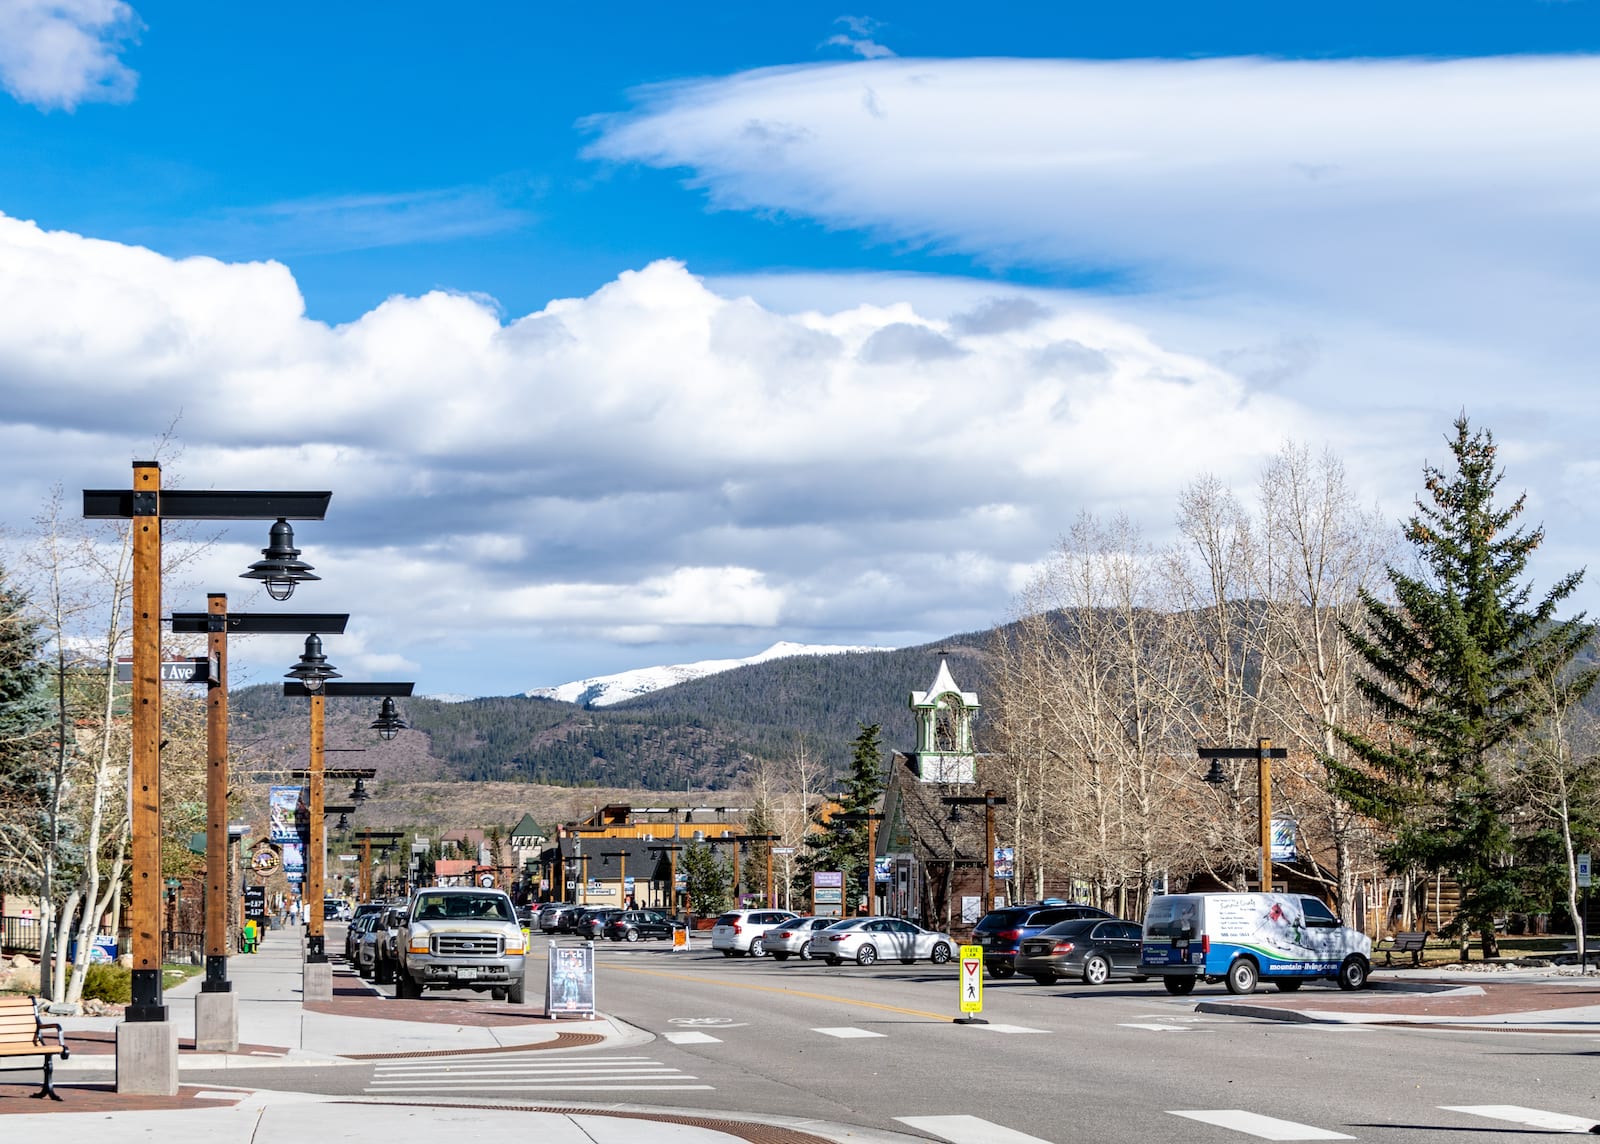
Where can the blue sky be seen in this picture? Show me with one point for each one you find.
(683, 296)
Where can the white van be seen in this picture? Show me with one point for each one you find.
(1287, 939)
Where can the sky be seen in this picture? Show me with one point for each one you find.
(639, 334)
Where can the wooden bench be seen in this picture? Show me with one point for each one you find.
(22, 1035)
(1411, 943)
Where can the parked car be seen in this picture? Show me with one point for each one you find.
(379, 952)
(793, 937)
(865, 940)
(352, 935)
(1001, 931)
(632, 925)
(740, 932)
(553, 915)
(592, 922)
(1242, 939)
(1094, 949)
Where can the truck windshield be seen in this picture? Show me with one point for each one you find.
(491, 906)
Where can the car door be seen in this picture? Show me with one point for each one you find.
(1124, 938)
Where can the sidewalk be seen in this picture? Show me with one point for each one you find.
(1519, 1000)
(277, 1029)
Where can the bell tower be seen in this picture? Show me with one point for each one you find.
(944, 730)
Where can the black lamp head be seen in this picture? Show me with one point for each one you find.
(280, 567)
(1216, 776)
(955, 813)
(388, 724)
(343, 823)
(313, 670)
(359, 794)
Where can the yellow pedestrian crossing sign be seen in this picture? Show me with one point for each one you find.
(972, 979)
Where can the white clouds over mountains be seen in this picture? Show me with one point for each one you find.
(656, 462)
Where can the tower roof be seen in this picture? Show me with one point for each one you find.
(943, 684)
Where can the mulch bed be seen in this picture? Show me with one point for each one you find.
(104, 1098)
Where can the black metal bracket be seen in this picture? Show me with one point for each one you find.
(145, 997)
(216, 976)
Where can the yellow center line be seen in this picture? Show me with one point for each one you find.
(785, 991)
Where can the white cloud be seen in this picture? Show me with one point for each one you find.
(60, 53)
(657, 461)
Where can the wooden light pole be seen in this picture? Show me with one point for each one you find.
(622, 873)
(148, 1063)
(769, 839)
(988, 800)
(1263, 752)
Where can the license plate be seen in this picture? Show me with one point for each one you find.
(985, 940)
(466, 974)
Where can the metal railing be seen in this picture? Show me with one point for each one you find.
(180, 947)
(19, 934)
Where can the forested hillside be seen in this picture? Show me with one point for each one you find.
(700, 734)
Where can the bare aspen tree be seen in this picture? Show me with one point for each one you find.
(1325, 550)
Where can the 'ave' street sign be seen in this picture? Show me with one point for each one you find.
(200, 669)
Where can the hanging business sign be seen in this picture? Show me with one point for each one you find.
(289, 814)
(569, 981)
(255, 903)
(294, 862)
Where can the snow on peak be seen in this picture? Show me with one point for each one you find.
(604, 690)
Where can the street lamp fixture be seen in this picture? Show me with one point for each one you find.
(1263, 752)
(388, 724)
(360, 792)
(280, 567)
(313, 670)
(988, 800)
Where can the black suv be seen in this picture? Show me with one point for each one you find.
(1001, 931)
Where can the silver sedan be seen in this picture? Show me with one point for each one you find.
(865, 940)
(794, 937)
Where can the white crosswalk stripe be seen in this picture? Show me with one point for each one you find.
(995, 1027)
(968, 1130)
(1261, 1127)
(691, 1039)
(1531, 1117)
(529, 1072)
(845, 1032)
(1154, 1027)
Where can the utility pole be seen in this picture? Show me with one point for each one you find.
(1263, 752)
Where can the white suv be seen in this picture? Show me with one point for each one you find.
(739, 932)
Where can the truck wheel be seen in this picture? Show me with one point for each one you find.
(1242, 976)
(1179, 986)
(403, 987)
(515, 991)
(1353, 972)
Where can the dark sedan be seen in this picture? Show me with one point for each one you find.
(1094, 949)
(632, 925)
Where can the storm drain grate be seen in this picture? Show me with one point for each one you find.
(562, 1041)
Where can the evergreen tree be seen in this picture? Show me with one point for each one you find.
(843, 846)
(1453, 664)
(706, 875)
(25, 723)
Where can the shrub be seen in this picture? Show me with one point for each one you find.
(112, 984)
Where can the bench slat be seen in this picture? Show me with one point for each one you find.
(30, 1050)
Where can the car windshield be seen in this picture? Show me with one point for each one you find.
(1070, 928)
(1001, 919)
(490, 906)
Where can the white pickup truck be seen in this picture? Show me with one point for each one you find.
(461, 937)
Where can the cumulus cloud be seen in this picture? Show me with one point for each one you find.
(659, 461)
(60, 53)
(857, 38)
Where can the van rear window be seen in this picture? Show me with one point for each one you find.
(1159, 920)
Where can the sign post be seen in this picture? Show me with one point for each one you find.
(971, 983)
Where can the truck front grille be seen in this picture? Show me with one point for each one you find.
(468, 944)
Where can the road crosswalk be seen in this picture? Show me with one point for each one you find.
(529, 1072)
(976, 1130)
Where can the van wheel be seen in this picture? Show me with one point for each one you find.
(1288, 984)
(1179, 986)
(1242, 976)
(1096, 971)
(1353, 973)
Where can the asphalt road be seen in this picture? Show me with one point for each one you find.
(876, 1047)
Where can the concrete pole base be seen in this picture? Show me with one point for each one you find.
(317, 984)
(147, 1058)
(216, 1022)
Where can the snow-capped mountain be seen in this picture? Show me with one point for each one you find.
(604, 690)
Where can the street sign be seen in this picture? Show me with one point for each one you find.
(971, 983)
(200, 669)
(1583, 871)
(783, 849)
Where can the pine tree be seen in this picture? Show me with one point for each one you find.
(1453, 664)
(843, 846)
(25, 722)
